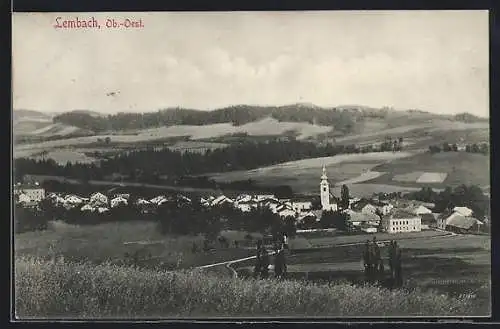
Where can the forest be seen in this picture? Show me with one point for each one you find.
(237, 115)
(150, 165)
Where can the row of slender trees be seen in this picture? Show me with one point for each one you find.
(482, 148)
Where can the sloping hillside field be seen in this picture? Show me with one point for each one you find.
(374, 172)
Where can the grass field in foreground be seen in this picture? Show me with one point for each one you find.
(61, 290)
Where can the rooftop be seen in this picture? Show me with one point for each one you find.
(21, 186)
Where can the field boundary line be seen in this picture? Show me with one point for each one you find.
(230, 262)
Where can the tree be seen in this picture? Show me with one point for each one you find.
(446, 147)
(289, 227)
(454, 147)
(378, 212)
(344, 203)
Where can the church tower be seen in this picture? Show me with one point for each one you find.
(324, 191)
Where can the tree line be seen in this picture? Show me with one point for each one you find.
(148, 165)
(237, 115)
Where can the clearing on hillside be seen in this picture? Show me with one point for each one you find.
(459, 168)
(303, 175)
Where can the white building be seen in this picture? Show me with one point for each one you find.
(87, 207)
(34, 192)
(98, 199)
(222, 199)
(118, 201)
(283, 211)
(300, 206)
(159, 200)
(464, 211)
(402, 221)
(421, 210)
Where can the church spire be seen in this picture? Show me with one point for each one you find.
(324, 176)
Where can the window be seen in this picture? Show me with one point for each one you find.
(324, 189)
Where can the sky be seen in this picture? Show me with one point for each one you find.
(436, 61)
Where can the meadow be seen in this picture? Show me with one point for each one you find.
(257, 128)
(71, 271)
(452, 265)
(45, 290)
(303, 175)
(112, 242)
(455, 167)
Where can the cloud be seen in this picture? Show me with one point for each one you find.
(407, 60)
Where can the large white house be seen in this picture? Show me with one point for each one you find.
(402, 221)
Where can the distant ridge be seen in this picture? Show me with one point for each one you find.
(343, 119)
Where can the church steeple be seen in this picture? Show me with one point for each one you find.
(324, 191)
(324, 176)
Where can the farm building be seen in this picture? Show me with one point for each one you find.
(243, 198)
(402, 221)
(159, 200)
(220, 200)
(118, 201)
(310, 215)
(285, 211)
(429, 221)
(368, 228)
(34, 192)
(421, 210)
(464, 211)
(245, 206)
(87, 207)
(98, 199)
(462, 224)
(358, 218)
(301, 205)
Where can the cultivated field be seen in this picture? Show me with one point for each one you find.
(440, 170)
(62, 156)
(368, 173)
(303, 175)
(267, 126)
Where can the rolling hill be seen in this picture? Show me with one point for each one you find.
(35, 126)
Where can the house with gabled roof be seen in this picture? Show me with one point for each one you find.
(464, 211)
(98, 199)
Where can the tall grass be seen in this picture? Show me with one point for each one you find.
(62, 290)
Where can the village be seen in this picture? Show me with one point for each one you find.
(367, 215)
